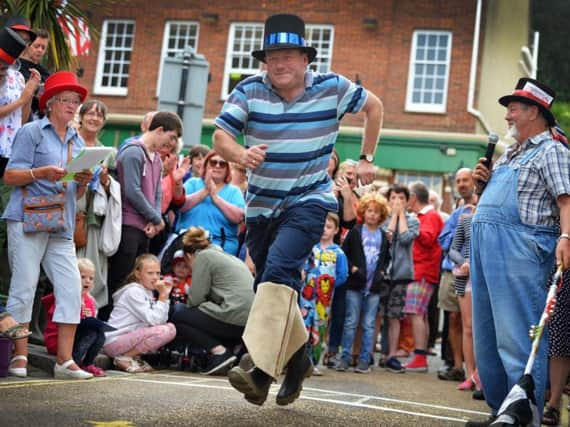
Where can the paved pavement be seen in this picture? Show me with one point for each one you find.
(174, 398)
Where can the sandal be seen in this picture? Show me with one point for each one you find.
(127, 364)
(16, 331)
(18, 372)
(143, 364)
(468, 384)
(551, 416)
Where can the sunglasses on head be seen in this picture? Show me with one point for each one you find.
(218, 163)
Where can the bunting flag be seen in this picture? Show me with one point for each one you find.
(559, 134)
(77, 33)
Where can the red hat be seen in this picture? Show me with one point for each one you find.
(60, 82)
(530, 91)
(11, 45)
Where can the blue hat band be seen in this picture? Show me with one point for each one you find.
(284, 38)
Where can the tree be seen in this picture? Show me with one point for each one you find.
(551, 19)
(53, 16)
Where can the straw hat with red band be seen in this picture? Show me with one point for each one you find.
(19, 23)
(11, 45)
(60, 82)
(533, 92)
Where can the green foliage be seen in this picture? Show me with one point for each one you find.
(561, 111)
(551, 19)
(44, 14)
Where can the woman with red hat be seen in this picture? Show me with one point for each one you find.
(36, 167)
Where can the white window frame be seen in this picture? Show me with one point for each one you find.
(166, 50)
(99, 89)
(323, 61)
(228, 69)
(433, 181)
(428, 107)
(321, 64)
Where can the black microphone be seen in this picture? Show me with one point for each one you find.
(493, 139)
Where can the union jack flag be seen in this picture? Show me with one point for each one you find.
(77, 32)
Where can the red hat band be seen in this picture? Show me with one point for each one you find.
(6, 57)
(534, 97)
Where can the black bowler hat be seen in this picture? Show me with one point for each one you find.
(11, 45)
(19, 23)
(284, 32)
(530, 91)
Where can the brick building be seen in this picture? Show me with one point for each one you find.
(439, 67)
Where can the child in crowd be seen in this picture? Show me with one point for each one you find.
(139, 318)
(181, 278)
(327, 268)
(90, 335)
(459, 254)
(367, 248)
(402, 228)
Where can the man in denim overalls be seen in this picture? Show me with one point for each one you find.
(520, 228)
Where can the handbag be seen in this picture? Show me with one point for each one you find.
(45, 213)
(80, 232)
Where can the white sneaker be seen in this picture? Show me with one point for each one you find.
(63, 372)
(317, 372)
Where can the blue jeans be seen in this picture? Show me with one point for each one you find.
(356, 304)
(280, 246)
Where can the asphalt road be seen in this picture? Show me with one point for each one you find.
(173, 398)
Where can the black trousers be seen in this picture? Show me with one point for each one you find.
(198, 328)
(433, 318)
(87, 343)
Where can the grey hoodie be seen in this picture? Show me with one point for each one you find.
(402, 268)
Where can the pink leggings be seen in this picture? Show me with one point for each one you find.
(143, 340)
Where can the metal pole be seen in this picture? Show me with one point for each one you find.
(183, 85)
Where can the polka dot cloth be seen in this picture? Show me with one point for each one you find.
(559, 328)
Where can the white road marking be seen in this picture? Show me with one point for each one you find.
(320, 395)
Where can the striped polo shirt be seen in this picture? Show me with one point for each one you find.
(300, 135)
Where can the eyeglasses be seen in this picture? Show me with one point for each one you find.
(94, 114)
(218, 163)
(69, 101)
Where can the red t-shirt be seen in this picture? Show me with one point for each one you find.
(426, 249)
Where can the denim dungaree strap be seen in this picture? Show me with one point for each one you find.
(510, 263)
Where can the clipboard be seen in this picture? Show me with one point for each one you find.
(88, 158)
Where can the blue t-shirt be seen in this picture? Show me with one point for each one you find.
(208, 216)
(371, 243)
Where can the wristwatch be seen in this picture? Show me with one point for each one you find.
(368, 157)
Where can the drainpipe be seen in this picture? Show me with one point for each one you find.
(473, 72)
(530, 58)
